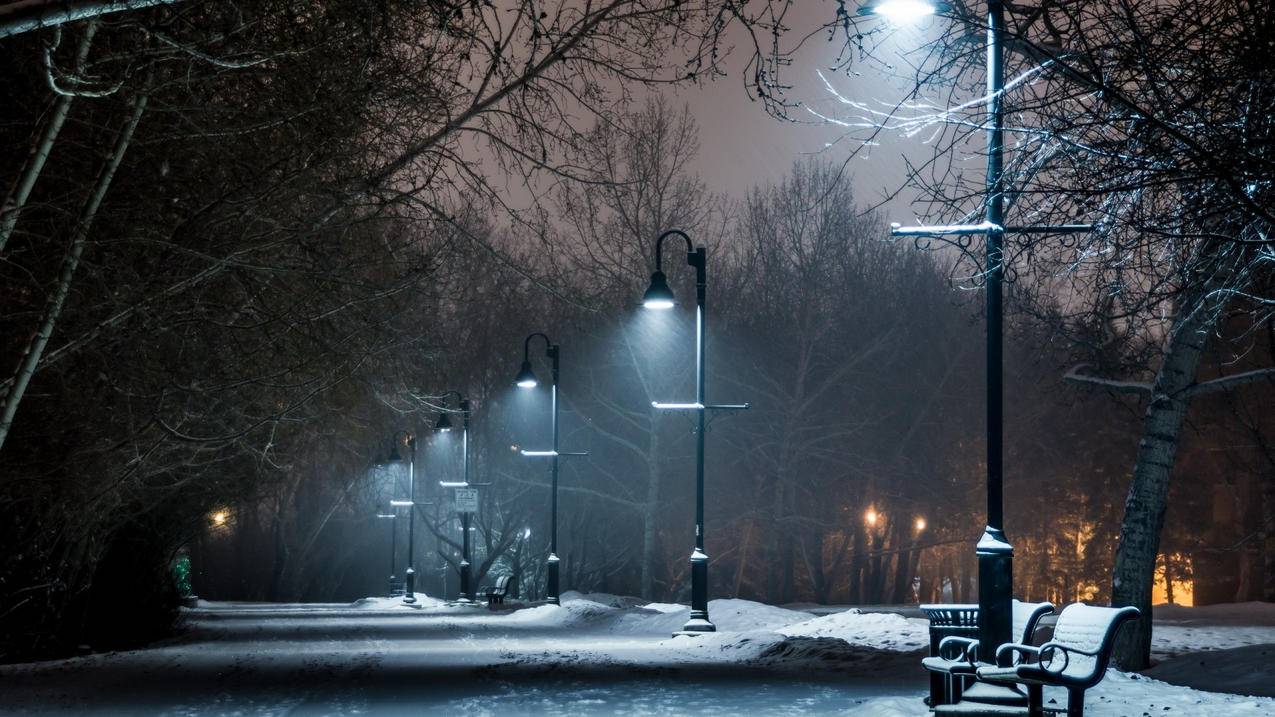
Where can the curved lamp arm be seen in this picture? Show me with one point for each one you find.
(659, 245)
(526, 345)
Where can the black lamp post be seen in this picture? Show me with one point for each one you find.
(444, 425)
(660, 297)
(995, 554)
(409, 575)
(526, 378)
(392, 517)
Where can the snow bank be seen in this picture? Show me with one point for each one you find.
(393, 603)
(1242, 670)
(885, 631)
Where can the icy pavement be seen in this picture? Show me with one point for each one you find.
(602, 656)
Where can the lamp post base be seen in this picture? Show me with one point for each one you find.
(995, 591)
(552, 580)
(409, 587)
(465, 594)
(699, 622)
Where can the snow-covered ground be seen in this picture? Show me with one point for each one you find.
(593, 655)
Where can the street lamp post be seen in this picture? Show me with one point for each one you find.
(526, 378)
(995, 554)
(660, 297)
(393, 518)
(444, 425)
(409, 575)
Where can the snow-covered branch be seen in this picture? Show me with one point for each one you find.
(1226, 383)
(1115, 386)
(27, 15)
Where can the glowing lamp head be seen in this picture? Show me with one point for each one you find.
(444, 423)
(871, 517)
(903, 12)
(526, 377)
(220, 517)
(920, 524)
(659, 295)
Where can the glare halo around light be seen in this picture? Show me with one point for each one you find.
(904, 12)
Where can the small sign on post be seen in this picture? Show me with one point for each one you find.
(467, 500)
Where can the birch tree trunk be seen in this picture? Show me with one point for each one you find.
(79, 236)
(18, 194)
(1134, 572)
(1268, 542)
(650, 516)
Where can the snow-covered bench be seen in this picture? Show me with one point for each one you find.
(956, 658)
(496, 593)
(1076, 658)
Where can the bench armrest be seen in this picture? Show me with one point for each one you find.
(1011, 647)
(959, 648)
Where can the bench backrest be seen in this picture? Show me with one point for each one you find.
(502, 583)
(1092, 629)
(1026, 617)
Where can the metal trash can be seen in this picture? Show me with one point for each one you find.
(946, 621)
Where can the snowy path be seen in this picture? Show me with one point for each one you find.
(580, 659)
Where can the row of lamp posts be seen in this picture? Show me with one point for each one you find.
(407, 438)
(995, 554)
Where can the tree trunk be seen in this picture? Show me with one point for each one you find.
(1268, 528)
(17, 196)
(1139, 545)
(649, 517)
(79, 237)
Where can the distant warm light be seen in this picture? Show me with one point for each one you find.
(904, 12)
(920, 524)
(220, 517)
(871, 517)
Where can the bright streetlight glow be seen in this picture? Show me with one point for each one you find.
(401, 503)
(220, 517)
(386, 515)
(871, 517)
(920, 524)
(453, 483)
(539, 453)
(678, 406)
(904, 12)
